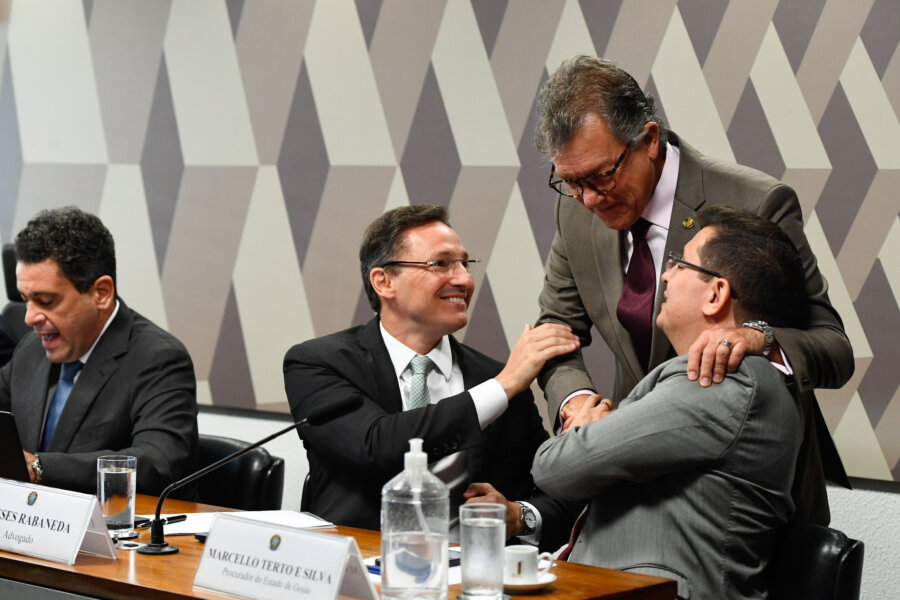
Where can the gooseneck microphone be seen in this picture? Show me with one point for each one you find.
(318, 416)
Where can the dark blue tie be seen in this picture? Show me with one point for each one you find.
(63, 389)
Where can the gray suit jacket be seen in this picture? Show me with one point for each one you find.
(135, 395)
(684, 482)
(584, 282)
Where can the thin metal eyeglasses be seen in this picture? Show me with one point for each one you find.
(601, 182)
(440, 266)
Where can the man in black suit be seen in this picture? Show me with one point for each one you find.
(94, 377)
(478, 422)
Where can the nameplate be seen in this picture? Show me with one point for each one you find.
(51, 523)
(261, 561)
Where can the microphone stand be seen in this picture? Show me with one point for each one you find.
(158, 544)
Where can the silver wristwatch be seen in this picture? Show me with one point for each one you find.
(528, 519)
(764, 328)
(38, 468)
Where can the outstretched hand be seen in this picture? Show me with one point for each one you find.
(534, 348)
(709, 358)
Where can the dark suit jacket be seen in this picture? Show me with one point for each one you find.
(352, 457)
(135, 396)
(584, 282)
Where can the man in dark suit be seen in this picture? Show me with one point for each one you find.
(630, 188)
(94, 377)
(477, 417)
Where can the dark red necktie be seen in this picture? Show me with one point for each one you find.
(635, 309)
(576, 530)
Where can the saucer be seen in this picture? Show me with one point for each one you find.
(543, 582)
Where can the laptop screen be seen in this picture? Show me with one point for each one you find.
(12, 460)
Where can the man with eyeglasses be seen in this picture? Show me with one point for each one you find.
(476, 416)
(628, 192)
(687, 482)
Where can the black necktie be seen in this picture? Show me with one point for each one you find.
(635, 310)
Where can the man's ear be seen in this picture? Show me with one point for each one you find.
(382, 282)
(651, 139)
(718, 300)
(104, 292)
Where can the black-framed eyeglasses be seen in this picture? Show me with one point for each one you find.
(674, 261)
(601, 182)
(440, 266)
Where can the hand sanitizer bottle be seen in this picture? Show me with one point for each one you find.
(415, 510)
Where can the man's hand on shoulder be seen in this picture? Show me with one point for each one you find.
(534, 348)
(709, 358)
(485, 492)
(591, 407)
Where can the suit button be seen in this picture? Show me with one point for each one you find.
(805, 381)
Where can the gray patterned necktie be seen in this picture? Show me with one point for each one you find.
(418, 387)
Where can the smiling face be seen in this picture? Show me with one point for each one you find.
(419, 306)
(688, 291)
(67, 321)
(594, 148)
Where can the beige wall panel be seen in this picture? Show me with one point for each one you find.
(689, 106)
(517, 60)
(343, 86)
(834, 36)
(887, 429)
(783, 104)
(202, 64)
(270, 44)
(871, 226)
(516, 272)
(639, 35)
(203, 245)
(400, 69)
(572, 37)
(479, 127)
(51, 67)
(872, 108)
(859, 447)
(809, 184)
(54, 185)
(123, 209)
(734, 51)
(268, 287)
(353, 198)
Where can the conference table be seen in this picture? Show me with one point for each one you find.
(171, 577)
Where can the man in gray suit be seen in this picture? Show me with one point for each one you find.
(94, 377)
(628, 187)
(688, 482)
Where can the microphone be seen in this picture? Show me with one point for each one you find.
(317, 416)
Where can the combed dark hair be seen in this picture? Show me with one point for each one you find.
(78, 241)
(587, 85)
(760, 262)
(384, 238)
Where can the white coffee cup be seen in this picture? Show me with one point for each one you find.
(521, 564)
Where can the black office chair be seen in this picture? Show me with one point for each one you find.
(254, 481)
(12, 317)
(813, 562)
(306, 495)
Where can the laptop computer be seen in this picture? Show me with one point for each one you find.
(12, 460)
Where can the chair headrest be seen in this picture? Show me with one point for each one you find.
(9, 272)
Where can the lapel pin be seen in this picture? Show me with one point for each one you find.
(688, 223)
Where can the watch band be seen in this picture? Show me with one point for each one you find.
(528, 525)
(766, 330)
(38, 468)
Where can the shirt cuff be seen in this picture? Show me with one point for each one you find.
(490, 401)
(533, 538)
(565, 401)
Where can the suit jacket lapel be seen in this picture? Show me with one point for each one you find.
(474, 373)
(98, 370)
(31, 420)
(387, 388)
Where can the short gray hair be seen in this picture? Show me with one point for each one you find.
(587, 85)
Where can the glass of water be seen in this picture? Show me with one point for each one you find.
(116, 485)
(482, 535)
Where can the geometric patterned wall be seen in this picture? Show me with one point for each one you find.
(238, 148)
